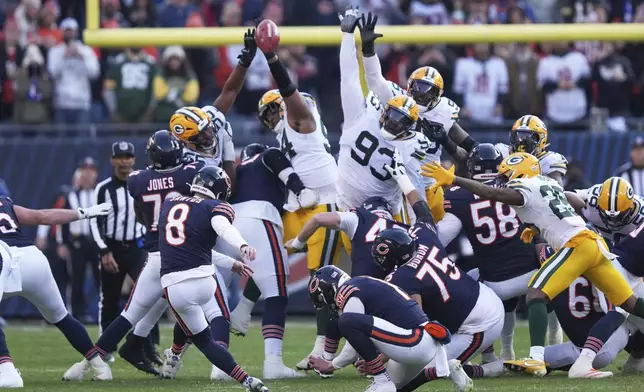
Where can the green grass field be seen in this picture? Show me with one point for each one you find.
(42, 355)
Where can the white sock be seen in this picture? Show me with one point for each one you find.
(318, 347)
(273, 348)
(507, 333)
(489, 357)
(537, 352)
(245, 305)
(554, 329)
(588, 353)
(493, 369)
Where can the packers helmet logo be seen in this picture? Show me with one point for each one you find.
(515, 160)
(314, 284)
(382, 249)
(178, 129)
(630, 193)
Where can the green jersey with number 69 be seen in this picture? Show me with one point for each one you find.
(546, 207)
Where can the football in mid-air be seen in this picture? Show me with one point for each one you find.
(267, 36)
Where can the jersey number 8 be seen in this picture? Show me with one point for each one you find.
(175, 229)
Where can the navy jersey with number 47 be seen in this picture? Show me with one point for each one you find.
(494, 231)
(149, 188)
(369, 225)
(186, 236)
(10, 230)
(448, 294)
(383, 300)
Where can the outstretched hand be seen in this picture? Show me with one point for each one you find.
(438, 172)
(367, 26)
(349, 20)
(250, 49)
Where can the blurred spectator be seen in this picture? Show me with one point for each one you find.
(48, 34)
(26, 16)
(111, 14)
(516, 15)
(432, 12)
(478, 12)
(175, 13)
(510, 11)
(633, 171)
(72, 65)
(582, 11)
(175, 85)
(564, 77)
(33, 89)
(524, 94)
(439, 57)
(10, 57)
(481, 85)
(142, 13)
(204, 63)
(614, 77)
(575, 177)
(545, 11)
(128, 86)
(303, 67)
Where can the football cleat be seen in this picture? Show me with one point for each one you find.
(531, 366)
(255, 384)
(10, 376)
(458, 376)
(275, 369)
(77, 372)
(171, 365)
(239, 322)
(387, 386)
(151, 352)
(217, 374)
(633, 365)
(102, 371)
(137, 358)
(583, 368)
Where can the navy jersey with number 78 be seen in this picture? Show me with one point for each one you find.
(149, 188)
(448, 294)
(186, 236)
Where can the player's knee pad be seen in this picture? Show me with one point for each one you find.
(355, 321)
(510, 305)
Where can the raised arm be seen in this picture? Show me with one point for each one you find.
(235, 81)
(373, 72)
(351, 95)
(576, 201)
(345, 221)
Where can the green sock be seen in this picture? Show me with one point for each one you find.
(251, 291)
(538, 322)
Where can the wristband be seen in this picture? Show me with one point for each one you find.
(297, 244)
(405, 184)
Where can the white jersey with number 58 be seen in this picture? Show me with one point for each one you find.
(546, 207)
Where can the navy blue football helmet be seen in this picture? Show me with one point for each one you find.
(251, 150)
(324, 285)
(378, 206)
(164, 150)
(393, 248)
(483, 162)
(213, 182)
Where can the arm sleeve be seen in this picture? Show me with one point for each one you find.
(350, 90)
(349, 223)
(221, 222)
(97, 225)
(375, 81)
(223, 261)
(448, 228)
(422, 212)
(229, 147)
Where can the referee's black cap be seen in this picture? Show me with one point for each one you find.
(122, 149)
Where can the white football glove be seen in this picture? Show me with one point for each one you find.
(248, 252)
(94, 211)
(307, 198)
(292, 204)
(399, 173)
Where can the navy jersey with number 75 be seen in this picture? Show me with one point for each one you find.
(448, 294)
(186, 236)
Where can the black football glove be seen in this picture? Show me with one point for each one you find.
(250, 48)
(349, 20)
(433, 130)
(368, 34)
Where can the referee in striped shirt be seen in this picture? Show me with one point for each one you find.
(118, 235)
(633, 171)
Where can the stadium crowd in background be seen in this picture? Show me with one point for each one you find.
(563, 82)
